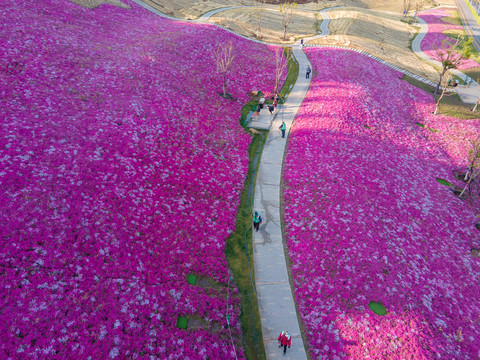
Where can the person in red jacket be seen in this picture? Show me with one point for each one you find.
(284, 339)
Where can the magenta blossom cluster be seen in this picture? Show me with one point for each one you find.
(434, 37)
(367, 221)
(121, 169)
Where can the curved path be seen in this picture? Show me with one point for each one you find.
(467, 94)
(272, 280)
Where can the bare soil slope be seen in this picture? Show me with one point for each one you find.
(382, 34)
(91, 4)
(243, 21)
(192, 9)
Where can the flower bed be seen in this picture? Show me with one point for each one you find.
(367, 222)
(434, 37)
(120, 172)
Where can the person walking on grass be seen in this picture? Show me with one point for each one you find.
(257, 220)
(309, 70)
(283, 127)
(284, 339)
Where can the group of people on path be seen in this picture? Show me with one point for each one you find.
(271, 108)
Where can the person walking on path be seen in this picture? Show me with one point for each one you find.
(275, 100)
(261, 102)
(271, 108)
(301, 44)
(309, 70)
(284, 339)
(283, 127)
(257, 220)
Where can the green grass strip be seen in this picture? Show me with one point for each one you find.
(293, 70)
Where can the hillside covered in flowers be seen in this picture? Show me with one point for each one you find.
(367, 221)
(120, 174)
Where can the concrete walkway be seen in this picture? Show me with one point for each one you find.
(277, 305)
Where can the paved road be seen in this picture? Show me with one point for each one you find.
(470, 23)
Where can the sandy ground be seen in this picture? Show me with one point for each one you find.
(192, 9)
(91, 4)
(381, 34)
(243, 21)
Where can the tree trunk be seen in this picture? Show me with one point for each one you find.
(224, 84)
(467, 185)
(476, 104)
(284, 32)
(440, 82)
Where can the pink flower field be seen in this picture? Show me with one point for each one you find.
(120, 174)
(366, 220)
(435, 36)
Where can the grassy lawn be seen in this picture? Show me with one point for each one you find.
(239, 244)
(451, 105)
(453, 19)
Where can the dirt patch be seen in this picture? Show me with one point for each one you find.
(92, 4)
(207, 283)
(243, 21)
(199, 323)
(187, 9)
(382, 34)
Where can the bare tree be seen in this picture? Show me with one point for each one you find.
(223, 58)
(281, 63)
(445, 82)
(417, 9)
(407, 6)
(450, 58)
(259, 12)
(473, 170)
(288, 10)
